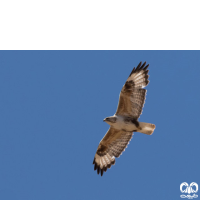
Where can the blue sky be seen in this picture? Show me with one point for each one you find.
(52, 107)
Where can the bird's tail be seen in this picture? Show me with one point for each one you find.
(146, 128)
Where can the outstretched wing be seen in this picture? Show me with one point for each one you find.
(132, 96)
(111, 146)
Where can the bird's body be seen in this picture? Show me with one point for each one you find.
(131, 125)
(125, 121)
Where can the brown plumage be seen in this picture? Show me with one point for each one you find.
(132, 96)
(124, 122)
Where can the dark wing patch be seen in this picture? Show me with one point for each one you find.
(110, 147)
(132, 96)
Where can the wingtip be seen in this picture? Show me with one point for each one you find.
(101, 170)
(139, 67)
(95, 166)
(146, 67)
(98, 170)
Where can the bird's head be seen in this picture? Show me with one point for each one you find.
(110, 120)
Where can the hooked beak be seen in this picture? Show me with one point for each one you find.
(104, 120)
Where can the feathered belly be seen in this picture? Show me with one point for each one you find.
(123, 125)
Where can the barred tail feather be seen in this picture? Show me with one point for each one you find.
(147, 128)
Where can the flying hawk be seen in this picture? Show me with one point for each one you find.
(125, 121)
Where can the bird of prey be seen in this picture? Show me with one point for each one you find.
(125, 121)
